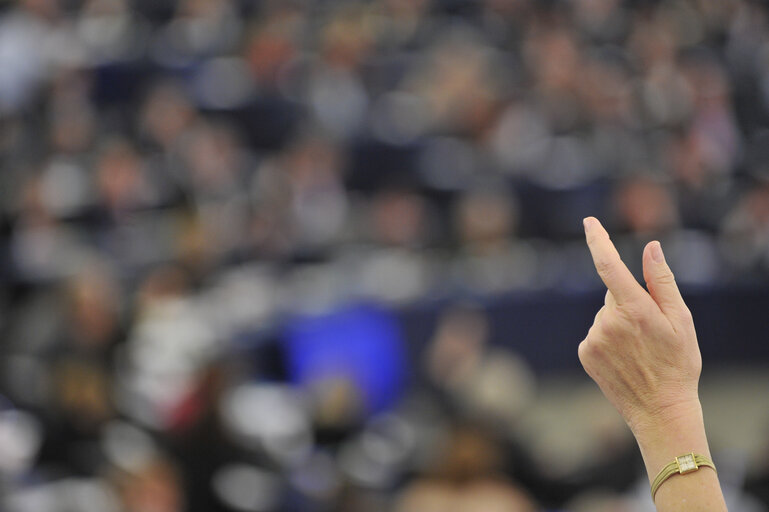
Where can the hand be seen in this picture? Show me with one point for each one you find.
(642, 348)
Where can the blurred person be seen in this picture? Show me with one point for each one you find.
(704, 192)
(544, 135)
(215, 161)
(215, 170)
(127, 222)
(335, 90)
(42, 247)
(713, 125)
(607, 88)
(744, 237)
(505, 21)
(709, 149)
(553, 57)
(167, 348)
(648, 208)
(198, 29)
(490, 495)
(401, 23)
(121, 179)
(399, 218)
(271, 230)
(299, 198)
(489, 384)
(460, 85)
(604, 21)
(346, 39)
(319, 200)
(274, 42)
(153, 487)
(72, 129)
(67, 183)
(110, 31)
(592, 501)
(81, 394)
(165, 114)
(666, 95)
(490, 258)
(34, 43)
(396, 262)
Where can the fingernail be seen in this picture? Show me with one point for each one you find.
(657, 255)
(587, 222)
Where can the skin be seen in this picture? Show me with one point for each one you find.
(642, 352)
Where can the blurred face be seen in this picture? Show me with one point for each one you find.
(485, 220)
(484, 495)
(72, 128)
(554, 59)
(155, 489)
(491, 496)
(120, 176)
(94, 309)
(166, 114)
(646, 207)
(398, 218)
(457, 345)
(758, 206)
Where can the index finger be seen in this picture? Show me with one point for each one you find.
(613, 272)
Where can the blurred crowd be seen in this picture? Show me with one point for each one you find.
(179, 178)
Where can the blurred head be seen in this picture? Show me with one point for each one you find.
(274, 42)
(73, 126)
(398, 218)
(485, 219)
(460, 84)
(166, 113)
(607, 89)
(553, 56)
(457, 344)
(161, 284)
(94, 307)
(155, 487)
(347, 39)
(487, 495)
(120, 175)
(646, 206)
(211, 154)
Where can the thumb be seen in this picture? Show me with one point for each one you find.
(661, 283)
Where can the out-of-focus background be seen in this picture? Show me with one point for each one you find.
(298, 255)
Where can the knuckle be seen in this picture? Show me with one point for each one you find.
(666, 277)
(586, 352)
(604, 267)
(684, 316)
(613, 326)
(635, 311)
(643, 316)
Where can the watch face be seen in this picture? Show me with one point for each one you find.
(686, 463)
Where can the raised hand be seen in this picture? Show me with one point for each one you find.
(642, 348)
(642, 352)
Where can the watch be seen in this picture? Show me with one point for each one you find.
(682, 465)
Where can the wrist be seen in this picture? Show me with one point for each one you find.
(664, 419)
(669, 433)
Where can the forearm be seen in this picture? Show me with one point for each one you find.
(660, 441)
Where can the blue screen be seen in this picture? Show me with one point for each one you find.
(362, 343)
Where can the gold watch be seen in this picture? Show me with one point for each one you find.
(682, 465)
